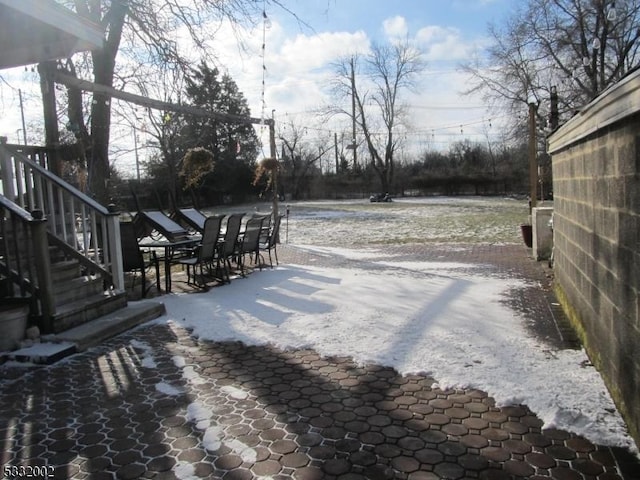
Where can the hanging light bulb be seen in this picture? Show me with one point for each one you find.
(611, 13)
(596, 44)
(586, 61)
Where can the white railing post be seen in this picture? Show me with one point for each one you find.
(115, 250)
(8, 189)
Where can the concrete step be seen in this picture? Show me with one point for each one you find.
(93, 333)
(87, 335)
(84, 310)
(41, 353)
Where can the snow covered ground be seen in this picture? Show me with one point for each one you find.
(437, 318)
(446, 319)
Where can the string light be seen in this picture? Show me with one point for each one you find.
(264, 67)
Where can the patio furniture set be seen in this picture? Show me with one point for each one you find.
(206, 246)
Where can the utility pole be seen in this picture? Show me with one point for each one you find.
(24, 129)
(353, 115)
(554, 116)
(273, 153)
(335, 149)
(135, 147)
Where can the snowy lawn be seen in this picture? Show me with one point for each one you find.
(435, 219)
(436, 318)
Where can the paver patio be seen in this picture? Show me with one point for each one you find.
(158, 403)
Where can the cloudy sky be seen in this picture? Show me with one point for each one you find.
(299, 54)
(299, 51)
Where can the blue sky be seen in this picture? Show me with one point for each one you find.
(298, 58)
(469, 16)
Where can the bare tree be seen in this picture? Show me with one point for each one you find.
(141, 40)
(577, 47)
(375, 83)
(299, 156)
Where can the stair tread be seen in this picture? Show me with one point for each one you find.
(82, 304)
(81, 279)
(61, 264)
(76, 282)
(92, 333)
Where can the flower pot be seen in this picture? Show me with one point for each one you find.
(13, 323)
(527, 234)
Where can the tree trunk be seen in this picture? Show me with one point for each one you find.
(52, 134)
(103, 69)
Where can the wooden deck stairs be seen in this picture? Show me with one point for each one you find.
(86, 314)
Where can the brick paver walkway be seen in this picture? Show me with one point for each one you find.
(158, 403)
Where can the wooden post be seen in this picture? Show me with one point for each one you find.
(8, 188)
(274, 179)
(115, 249)
(38, 228)
(533, 162)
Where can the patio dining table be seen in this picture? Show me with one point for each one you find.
(171, 248)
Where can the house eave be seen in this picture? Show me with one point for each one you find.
(32, 31)
(613, 105)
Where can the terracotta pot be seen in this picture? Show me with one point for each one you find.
(527, 234)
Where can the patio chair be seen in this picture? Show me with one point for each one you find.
(271, 242)
(148, 221)
(133, 258)
(227, 247)
(190, 218)
(205, 254)
(250, 243)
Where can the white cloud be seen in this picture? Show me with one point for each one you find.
(395, 27)
(442, 43)
(305, 53)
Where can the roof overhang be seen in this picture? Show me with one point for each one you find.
(614, 104)
(33, 31)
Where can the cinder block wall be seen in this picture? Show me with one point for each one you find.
(596, 182)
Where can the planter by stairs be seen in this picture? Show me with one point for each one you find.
(13, 323)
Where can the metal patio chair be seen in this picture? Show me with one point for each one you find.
(228, 244)
(190, 218)
(271, 241)
(250, 243)
(205, 255)
(134, 259)
(148, 221)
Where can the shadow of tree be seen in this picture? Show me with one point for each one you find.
(157, 402)
(294, 413)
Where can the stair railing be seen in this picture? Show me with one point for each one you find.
(77, 224)
(24, 260)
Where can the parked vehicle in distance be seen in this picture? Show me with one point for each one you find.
(380, 197)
